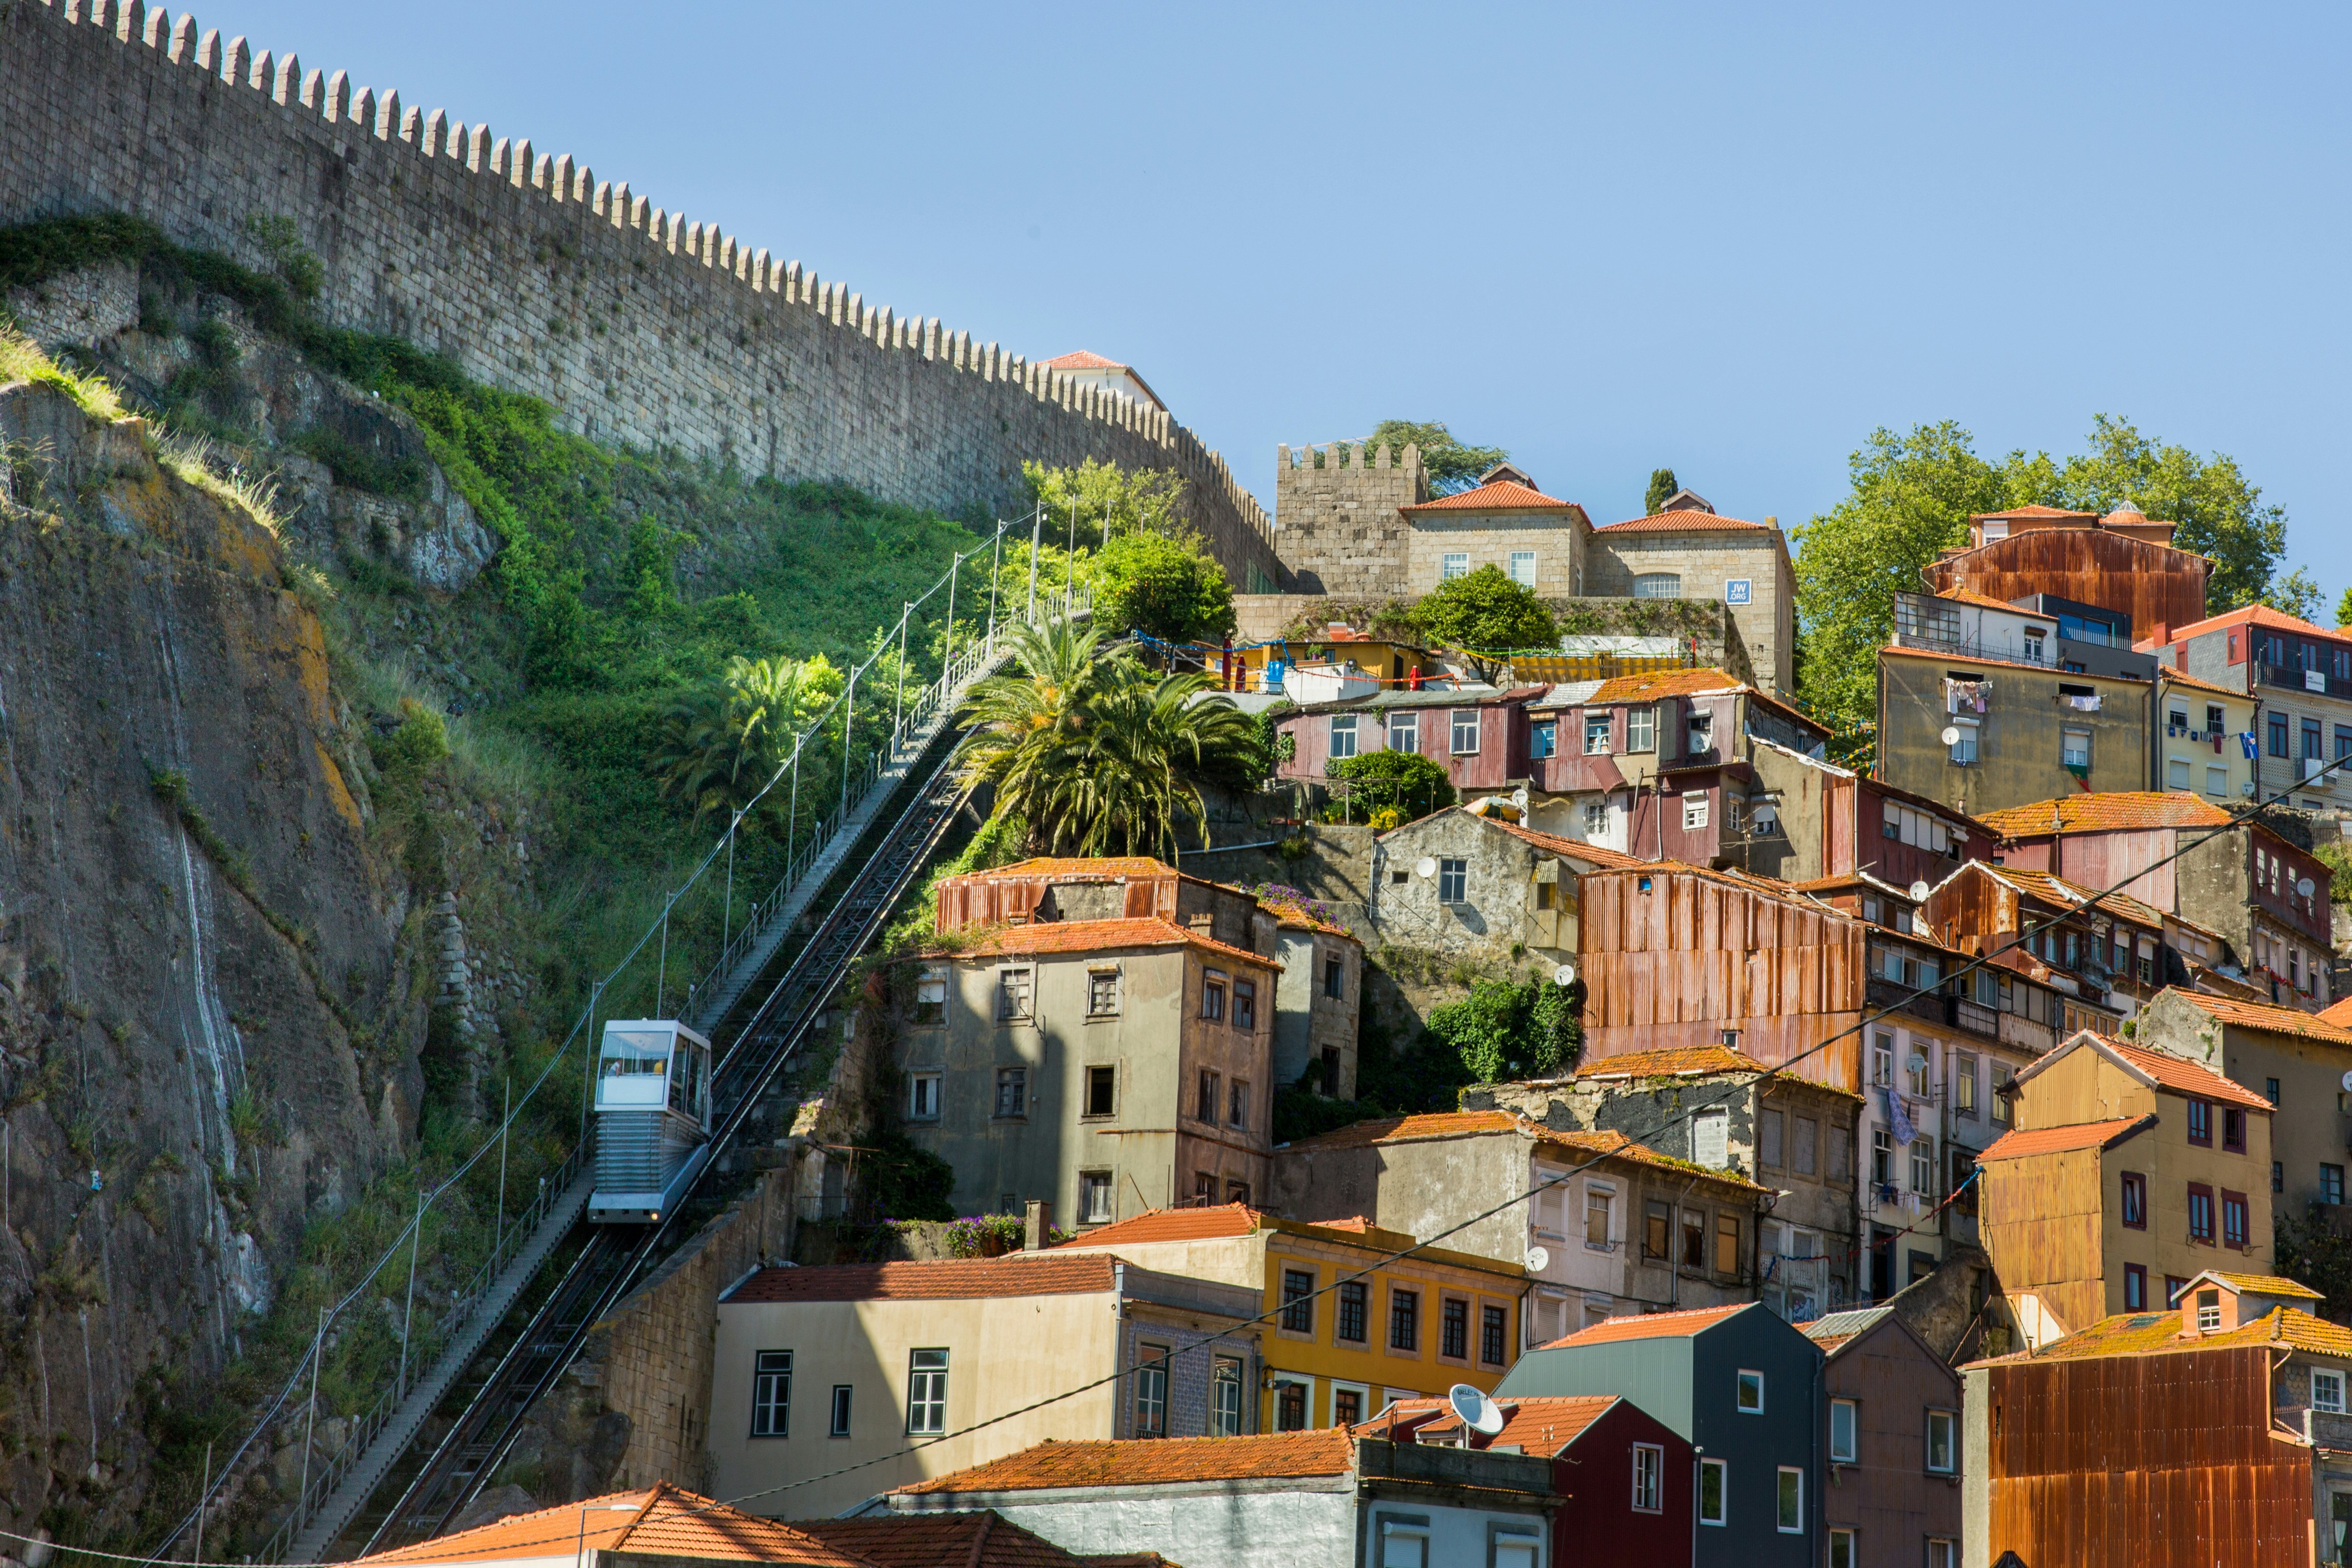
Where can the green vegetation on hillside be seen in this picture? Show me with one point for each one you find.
(1485, 612)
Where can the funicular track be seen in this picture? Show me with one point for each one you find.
(612, 1259)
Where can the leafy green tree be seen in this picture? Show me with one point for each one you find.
(720, 743)
(1486, 612)
(2295, 594)
(2344, 609)
(1110, 500)
(1911, 496)
(1163, 583)
(1415, 785)
(1451, 465)
(2221, 514)
(1499, 1030)
(1663, 485)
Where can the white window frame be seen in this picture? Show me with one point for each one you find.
(2066, 750)
(771, 1394)
(2333, 1404)
(932, 998)
(927, 1392)
(1404, 731)
(1694, 810)
(1641, 729)
(1852, 1412)
(1452, 564)
(1456, 872)
(1739, 1392)
(1527, 578)
(1963, 745)
(1596, 817)
(923, 1092)
(1649, 1477)
(1949, 1420)
(1089, 1184)
(1658, 585)
(1722, 1469)
(1473, 714)
(1842, 1553)
(1780, 1496)
(1341, 744)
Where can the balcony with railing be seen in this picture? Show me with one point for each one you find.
(2316, 683)
(1923, 621)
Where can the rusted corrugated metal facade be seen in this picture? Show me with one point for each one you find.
(1673, 957)
(2142, 1461)
(2158, 587)
(995, 899)
(2043, 1222)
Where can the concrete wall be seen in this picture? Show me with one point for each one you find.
(1308, 1021)
(639, 327)
(2018, 737)
(1499, 913)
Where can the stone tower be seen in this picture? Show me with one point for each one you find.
(1339, 527)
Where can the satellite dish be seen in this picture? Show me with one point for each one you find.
(2347, 1083)
(1479, 1413)
(1951, 736)
(2306, 887)
(1539, 1260)
(1920, 890)
(1564, 976)
(1426, 865)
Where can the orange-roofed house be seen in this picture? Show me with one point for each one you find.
(1461, 881)
(2295, 1060)
(2224, 1416)
(819, 1368)
(2239, 893)
(1336, 1350)
(1615, 1227)
(1737, 1382)
(2096, 960)
(1624, 1475)
(2128, 1171)
(1306, 1499)
(1102, 1067)
(1665, 765)
(1088, 369)
(982, 1540)
(660, 1524)
(2121, 571)
(1687, 551)
(2299, 677)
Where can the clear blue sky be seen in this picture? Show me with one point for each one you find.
(1730, 239)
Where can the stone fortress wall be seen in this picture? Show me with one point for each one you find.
(639, 327)
(1341, 532)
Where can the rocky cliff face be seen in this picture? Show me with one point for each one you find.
(208, 1018)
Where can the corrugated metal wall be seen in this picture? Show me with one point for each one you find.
(2144, 1462)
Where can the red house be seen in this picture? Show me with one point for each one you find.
(1626, 1476)
(1480, 733)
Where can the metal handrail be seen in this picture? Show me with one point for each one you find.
(461, 1308)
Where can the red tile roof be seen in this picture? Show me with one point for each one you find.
(661, 1521)
(2186, 1077)
(1693, 521)
(1081, 359)
(2114, 811)
(2020, 1143)
(1494, 496)
(1982, 600)
(1650, 1325)
(1054, 936)
(1138, 1462)
(958, 1279)
(985, 1539)
(1544, 1426)
(1552, 843)
(2173, 678)
(1432, 1124)
(2266, 1284)
(1670, 1061)
(1212, 1222)
(2257, 615)
(1665, 684)
(2334, 1030)
(2160, 1333)
(1109, 868)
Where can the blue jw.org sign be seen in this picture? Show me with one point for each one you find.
(1739, 591)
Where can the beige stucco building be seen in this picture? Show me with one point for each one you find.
(1107, 1067)
(818, 1369)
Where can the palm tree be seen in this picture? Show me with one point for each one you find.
(1097, 753)
(719, 745)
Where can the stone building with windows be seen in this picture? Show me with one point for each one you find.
(1685, 550)
(1107, 1067)
(1337, 1348)
(817, 1369)
(1457, 881)
(1614, 1227)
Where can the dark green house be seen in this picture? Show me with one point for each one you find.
(1743, 1386)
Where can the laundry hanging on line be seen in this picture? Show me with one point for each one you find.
(2084, 704)
(1972, 693)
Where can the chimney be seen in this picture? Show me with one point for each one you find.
(1037, 1227)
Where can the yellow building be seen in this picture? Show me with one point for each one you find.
(1338, 1348)
(2127, 1173)
(2199, 724)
